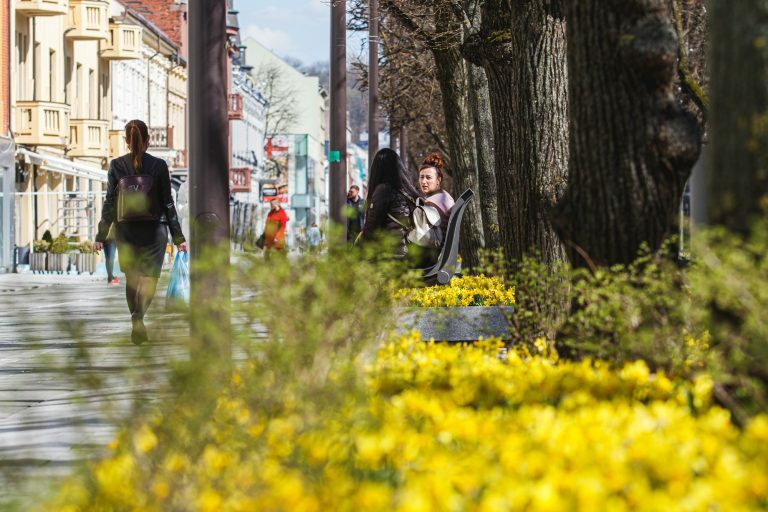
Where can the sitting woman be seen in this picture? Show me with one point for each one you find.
(431, 184)
(391, 199)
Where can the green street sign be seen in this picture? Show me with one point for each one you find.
(334, 156)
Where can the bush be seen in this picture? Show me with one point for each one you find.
(708, 316)
(40, 246)
(86, 247)
(60, 244)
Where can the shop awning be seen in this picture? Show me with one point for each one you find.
(64, 166)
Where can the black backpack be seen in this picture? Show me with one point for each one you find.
(137, 199)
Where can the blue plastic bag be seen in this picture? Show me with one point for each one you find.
(178, 287)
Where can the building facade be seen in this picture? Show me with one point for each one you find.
(80, 69)
(151, 87)
(60, 114)
(294, 170)
(7, 146)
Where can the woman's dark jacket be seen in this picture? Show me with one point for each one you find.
(165, 208)
(385, 203)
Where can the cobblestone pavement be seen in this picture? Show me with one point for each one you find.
(69, 373)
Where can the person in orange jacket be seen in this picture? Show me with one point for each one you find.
(274, 230)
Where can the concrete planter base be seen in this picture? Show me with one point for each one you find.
(58, 263)
(456, 324)
(38, 261)
(85, 263)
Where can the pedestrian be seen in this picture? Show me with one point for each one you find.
(109, 261)
(391, 200)
(315, 237)
(355, 213)
(274, 229)
(140, 204)
(431, 185)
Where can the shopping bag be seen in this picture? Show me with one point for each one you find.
(178, 287)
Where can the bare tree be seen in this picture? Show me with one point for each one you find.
(281, 113)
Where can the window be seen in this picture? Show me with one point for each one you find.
(68, 80)
(93, 96)
(78, 99)
(52, 96)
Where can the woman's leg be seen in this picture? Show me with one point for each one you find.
(146, 292)
(131, 290)
(109, 259)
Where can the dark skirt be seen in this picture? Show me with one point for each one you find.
(141, 247)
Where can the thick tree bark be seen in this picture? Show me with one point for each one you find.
(738, 179)
(480, 105)
(452, 76)
(632, 146)
(521, 45)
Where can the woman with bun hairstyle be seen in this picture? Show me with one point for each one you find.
(431, 186)
(140, 204)
(391, 199)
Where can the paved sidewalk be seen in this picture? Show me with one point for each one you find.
(69, 373)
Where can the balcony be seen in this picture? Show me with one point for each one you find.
(42, 7)
(42, 123)
(161, 137)
(123, 43)
(240, 179)
(88, 20)
(236, 107)
(88, 137)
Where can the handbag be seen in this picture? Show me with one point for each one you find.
(260, 241)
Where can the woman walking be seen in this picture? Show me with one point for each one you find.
(140, 204)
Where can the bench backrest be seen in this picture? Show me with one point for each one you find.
(449, 254)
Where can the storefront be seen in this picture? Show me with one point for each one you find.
(56, 194)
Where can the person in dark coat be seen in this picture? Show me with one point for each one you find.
(355, 213)
(141, 244)
(391, 200)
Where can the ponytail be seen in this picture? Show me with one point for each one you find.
(137, 136)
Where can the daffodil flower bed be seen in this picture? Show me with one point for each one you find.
(461, 291)
(442, 427)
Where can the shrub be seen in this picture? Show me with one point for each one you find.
(41, 246)
(86, 247)
(60, 244)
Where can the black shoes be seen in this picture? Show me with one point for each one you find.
(139, 333)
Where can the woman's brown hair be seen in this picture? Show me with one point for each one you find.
(434, 160)
(137, 136)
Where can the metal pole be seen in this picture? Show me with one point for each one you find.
(338, 170)
(209, 182)
(373, 78)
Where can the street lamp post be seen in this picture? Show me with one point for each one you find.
(338, 149)
(373, 78)
(209, 181)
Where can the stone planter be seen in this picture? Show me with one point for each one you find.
(58, 263)
(85, 262)
(458, 324)
(37, 261)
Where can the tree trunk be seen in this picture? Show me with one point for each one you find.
(738, 180)
(452, 76)
(480, 105)
(522, 49)
(632, 146)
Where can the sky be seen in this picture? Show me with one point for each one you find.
(291, 28)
